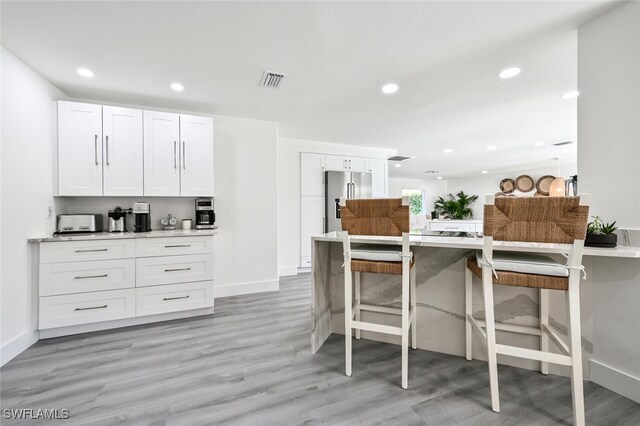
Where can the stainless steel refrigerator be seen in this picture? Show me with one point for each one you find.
(343, 184)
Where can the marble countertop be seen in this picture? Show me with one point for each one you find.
(125, 235)
(476, 243)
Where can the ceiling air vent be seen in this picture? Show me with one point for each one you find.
(435, 172)
(398, 158)
(272, 79)
(563, 143)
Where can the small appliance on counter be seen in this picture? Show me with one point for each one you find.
(67, 223)
(205, 217)
(169, 222)
(141, 217)
(118, 219)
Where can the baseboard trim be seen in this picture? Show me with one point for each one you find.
(16, 346)
(287, 271)
(246, 288)
(618, 381)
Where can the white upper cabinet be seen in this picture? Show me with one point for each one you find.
(196, 155)
(379, 172)
(122, 151)
(346, 164)
(79, 149)
(161, 154)
(312, 174)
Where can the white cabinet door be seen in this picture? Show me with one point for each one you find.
(123, 151)
(161, 153)
(312, 223)
(79, 149)
(196, 136)
(312, 174)
(337, 163)
(357, 164)
(379, 170)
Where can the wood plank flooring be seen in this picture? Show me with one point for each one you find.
(250, 364)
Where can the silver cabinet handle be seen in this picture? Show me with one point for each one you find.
(92, 307)
(95, 149)
(175, 298)
(175, 166)
(184, 155)
(107, 148)
(177, 269)
(91, 276)
(91, 250)
(178, 245)
(349, 164)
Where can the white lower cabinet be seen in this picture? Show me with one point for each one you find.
(174, 297)
(84, 282)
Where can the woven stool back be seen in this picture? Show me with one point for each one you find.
(385, 216)
(559, 220)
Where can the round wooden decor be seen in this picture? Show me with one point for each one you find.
(500, 194)
(537, 194)
(525, 183)
(507, 185)
(544, 183)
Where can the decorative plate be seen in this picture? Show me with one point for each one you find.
(544, 183)
(525, 183)
(537, 194)
(500, 194)
(507, 185)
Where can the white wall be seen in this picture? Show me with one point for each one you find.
(289, 150)
(28, 141)
(608, 153)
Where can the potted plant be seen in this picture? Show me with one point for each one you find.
(600, 234)
(456, 207)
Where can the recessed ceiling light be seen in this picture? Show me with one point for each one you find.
(571, 95)
(439, 178)
(509, 72)
(390, 88)
(448, 150)
(484, 172)
(398, 165)
(87, 73)
(177, 87)
(491, 147)
(538, 143)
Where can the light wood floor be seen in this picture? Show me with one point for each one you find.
(250, 364)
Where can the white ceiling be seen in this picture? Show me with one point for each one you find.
(444, 55)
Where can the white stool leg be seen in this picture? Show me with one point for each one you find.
(358, 302)
(405, 327)
(348, 315)
(573, 308)
(487, 289)
(468, 303)
(414, 296)
(544, 321)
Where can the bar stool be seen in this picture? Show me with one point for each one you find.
(378, 217)
(561, 221)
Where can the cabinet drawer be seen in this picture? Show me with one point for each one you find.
(174, 297)
(173, 245)
(173, 269)
(453, 227)
(305, 261)
(73, 309)
(75, 251)
(82, 277)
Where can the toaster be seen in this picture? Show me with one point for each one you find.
(79, 223)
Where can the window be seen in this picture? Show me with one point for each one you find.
(416, 200)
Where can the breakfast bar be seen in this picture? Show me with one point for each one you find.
(440, 292)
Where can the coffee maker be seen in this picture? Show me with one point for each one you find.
(205, 217)
(141, 217)
(118, 219)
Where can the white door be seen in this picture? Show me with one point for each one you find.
(161, 153)
(196, 144)
(123, 151)
(311, 224)
(378, 169)
(357, 164)
(312, 174)
(337, 163)
(79, 149)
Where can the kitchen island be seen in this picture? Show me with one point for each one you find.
(440, 273)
